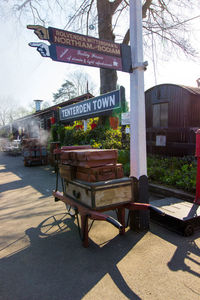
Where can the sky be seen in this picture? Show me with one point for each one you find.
(26, 76)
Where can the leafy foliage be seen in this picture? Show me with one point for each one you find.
(99, 137)
(173, 171)
(54, 133)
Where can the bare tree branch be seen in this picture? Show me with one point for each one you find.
(163, 20)
(114, 5)
(88, 14)
(145, 8)
(20, 7)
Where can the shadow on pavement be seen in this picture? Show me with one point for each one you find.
(41, 178)
(56, 266)
(186, 248)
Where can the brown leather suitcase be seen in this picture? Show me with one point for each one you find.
(93, 157)
(67, 172)
(66, 150)
(64, 157)
(76, 147)
(106, 172)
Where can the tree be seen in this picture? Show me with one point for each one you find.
(65, 92)
(76, 86)
(10, 110)
(165, 23)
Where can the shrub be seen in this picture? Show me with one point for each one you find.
(173, 171)
(123, 156)
(61, 133)
(54, 133)
(98, 137)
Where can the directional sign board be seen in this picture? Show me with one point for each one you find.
(75, 40)
(66, 38)
(91, 107)
(75, 48)
(75, 56)
(81, 57)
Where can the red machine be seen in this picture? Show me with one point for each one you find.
(197, 199)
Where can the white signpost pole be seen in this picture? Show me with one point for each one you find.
(138, 164)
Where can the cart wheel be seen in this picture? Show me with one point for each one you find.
(188, 230)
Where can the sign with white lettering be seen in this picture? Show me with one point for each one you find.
(91, 107)
(81, 57)
(75, 56)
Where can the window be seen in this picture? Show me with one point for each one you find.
(160, 115)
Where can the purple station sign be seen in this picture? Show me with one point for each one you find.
(77, 56)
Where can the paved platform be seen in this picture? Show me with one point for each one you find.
(41, 255)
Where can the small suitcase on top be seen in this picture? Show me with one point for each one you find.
(93, 157)
(80, 147)
(66, 150)
(103, 173)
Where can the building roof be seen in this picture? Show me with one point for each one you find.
(54, 107)
(192, 90)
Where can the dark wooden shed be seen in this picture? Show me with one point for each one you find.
(172, 118)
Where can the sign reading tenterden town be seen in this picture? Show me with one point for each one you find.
(91, 107)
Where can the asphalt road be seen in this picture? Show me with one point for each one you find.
(41, 256)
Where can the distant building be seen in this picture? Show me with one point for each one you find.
(43, 119)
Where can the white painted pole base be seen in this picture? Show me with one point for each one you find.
(139, 220)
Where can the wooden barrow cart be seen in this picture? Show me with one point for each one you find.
(90, 200)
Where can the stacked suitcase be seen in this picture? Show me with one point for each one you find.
(90, 165)
(34, 152)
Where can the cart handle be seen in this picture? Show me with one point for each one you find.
(114, 223)
(143, 206)
(94, 215)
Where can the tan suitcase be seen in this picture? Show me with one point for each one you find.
(99, 195)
